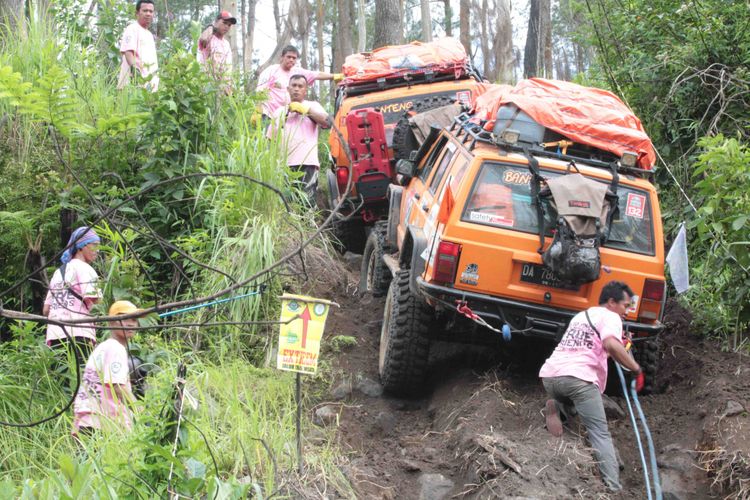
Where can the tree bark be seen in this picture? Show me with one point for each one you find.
(485, 40)
(13, 11)
(531, 58)
(426, 20)
(319, 27)
(389, 23)
(231, 6)
(546, 37)
(464, 17)
(277, 20)
(361, 26)
(247, 35)
(345, 28)
(448, 15)
(502, 46)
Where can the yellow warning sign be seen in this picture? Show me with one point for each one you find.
(303, 320)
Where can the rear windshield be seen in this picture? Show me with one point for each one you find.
(501, 197)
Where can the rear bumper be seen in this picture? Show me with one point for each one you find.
(526, 319)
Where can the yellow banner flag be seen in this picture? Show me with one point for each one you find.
(303, 321)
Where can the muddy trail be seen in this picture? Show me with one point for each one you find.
(479, 432)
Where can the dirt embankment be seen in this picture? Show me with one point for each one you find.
(478, 432)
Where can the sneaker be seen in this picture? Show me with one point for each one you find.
(554, 425)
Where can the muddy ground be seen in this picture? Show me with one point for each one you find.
(479, 431)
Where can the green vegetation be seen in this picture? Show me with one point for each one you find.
(683, 68)
(176, 183)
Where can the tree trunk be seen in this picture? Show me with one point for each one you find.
(345, 32)
(361, 26)
(389, 23)
(426, 21)
(448, 14)
(546, 37)
(531, 57)
(13, 11)
(502, 46)
(247, 35)
(319, 27)
(464, 15)
(485, 40)
(277, 20)
(231, 6)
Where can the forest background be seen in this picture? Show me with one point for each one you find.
(181, 167)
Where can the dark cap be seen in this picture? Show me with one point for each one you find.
(226, 16)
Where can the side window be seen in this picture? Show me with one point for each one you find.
(442, 168)
(424, 173)
(462, 164)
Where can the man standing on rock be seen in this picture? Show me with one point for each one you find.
(276, 79)
(300, 121)
(138, 48)
(576, 374)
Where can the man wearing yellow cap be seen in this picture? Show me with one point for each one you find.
(105, 393)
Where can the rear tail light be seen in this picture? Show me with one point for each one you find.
(342, 178)
(650, 308)
(653, 290)
(446, 262)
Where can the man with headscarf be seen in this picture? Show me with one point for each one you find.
(72, 293)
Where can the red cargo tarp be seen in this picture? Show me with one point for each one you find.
(585, 115)
(442, 55)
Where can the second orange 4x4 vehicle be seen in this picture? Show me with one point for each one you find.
(459, 256)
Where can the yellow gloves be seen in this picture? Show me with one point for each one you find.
(299, 107)
(337, 77)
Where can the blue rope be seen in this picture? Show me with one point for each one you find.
(635, 430)
(208, 304)
(651, 449)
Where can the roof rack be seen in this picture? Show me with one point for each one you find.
(474, 132)
(409, 77)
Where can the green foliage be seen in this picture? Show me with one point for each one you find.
(722, 246)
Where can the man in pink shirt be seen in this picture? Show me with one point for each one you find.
(138, 49)
(300, 121)
(576, 374)
(275, 79)
(105, 394)
(214, 51)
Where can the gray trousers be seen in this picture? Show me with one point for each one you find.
(574, 395)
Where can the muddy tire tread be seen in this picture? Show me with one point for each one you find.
(375, 248)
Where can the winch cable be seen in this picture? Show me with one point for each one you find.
(654, 468)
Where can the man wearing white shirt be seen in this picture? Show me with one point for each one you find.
(138, 48)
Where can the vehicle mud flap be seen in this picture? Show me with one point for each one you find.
(404, 345)
(417, 263)
(394, 213)
(374, 276)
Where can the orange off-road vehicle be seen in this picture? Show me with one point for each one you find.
(378, 89)
(460, 255)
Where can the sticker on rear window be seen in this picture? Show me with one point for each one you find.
(635, 206)
(516, 178)
(633, 304)
(490, 219)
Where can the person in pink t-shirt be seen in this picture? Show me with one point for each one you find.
(214, 51)
(275, 79)
(300, 121)
(103, 400)
(138, 49)
(575, 375)
(73, 290)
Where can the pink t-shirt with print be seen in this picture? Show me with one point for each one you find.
(64, 305)
(580, 352)
(275, 80)
(300, 138)
(96, 398)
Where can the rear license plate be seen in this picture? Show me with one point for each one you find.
(540, 275)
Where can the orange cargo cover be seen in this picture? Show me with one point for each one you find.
(585, 115)
(444, 54)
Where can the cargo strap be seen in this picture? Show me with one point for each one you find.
(536, 179)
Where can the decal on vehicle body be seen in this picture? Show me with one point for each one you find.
(490, 219)
(471, 275)
(635, 205)
(633, 304)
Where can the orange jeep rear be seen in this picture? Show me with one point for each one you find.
(462, 244)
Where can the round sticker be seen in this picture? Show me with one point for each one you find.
(319, 309)
(293, 305)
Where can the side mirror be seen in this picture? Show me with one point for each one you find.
(406, 168)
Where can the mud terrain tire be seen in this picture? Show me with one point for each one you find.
(404, 141)
(348, 235)
(374, 276)
(646, 353)
(404, 345)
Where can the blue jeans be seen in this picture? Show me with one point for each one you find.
(574, 395)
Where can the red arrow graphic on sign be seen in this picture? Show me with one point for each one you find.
(305, 316)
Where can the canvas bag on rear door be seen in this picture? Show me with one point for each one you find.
(583, 208)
